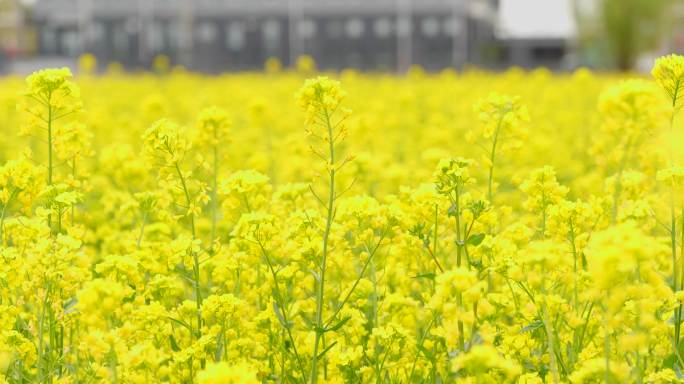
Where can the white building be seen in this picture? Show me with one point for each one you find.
(536, 32)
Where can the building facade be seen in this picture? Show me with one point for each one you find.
(220, 35)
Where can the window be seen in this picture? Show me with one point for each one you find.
(155, 37)
(271, 33)
(235, 36)
(382, 27)
(430, 27)
(131, 25)
(206, 32)
(271, 29)
(307, 28)
(98, 34)
(120, 40)
(176, 34)
(49, 40)
(355, 28)
(404, 27)
(453, 26)
(547, 53)
(70, 42)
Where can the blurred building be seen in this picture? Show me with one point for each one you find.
(16, 36)
(536, 33)
(218, 35)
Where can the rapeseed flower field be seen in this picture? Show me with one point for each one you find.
(294, 227)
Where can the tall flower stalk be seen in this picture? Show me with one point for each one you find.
(52, 96)
(212, 127)
(502, 117)
(668, 72)
(451, 178)
(167, 145)
(321, 98)
(631, 110)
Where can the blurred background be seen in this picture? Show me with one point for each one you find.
(372, 35)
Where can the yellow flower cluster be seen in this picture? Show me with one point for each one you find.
(320, 97)
(161, 237)
(668, 71)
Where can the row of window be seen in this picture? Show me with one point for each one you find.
(159, 36)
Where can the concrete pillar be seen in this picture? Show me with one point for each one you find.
(404, 33)
(295, 16)
(186, 24)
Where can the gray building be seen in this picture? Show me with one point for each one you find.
(218, 35)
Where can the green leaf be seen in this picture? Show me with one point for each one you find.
(329, 347)
(678, 371)
(426, 352)
(475, 239)
(672, 361)
(315, 275)
(308, 320)
(338, 325)
(70, 305)
(532, 326)
(181, 323)
(219, 350)
(430, 276)
(173, 343)
(669, 361)
(279, 315)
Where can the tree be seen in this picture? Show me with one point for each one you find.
(632, 26)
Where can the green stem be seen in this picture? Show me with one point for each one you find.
(321, 284)
(433, 253)
(49, 127)
(3, 214)
(358, 280)
(492, 154)
(550, 343)
(459, 240)
(678, 312)
(574, 266)
(618, 180)
(421, 341)
(459, 246)
(606, 352)
(673, 237)
(2, 223)
(544, 205)
(187, 197)
(673, 113)
(73, 176)
(278, 296)
(214, 201)
(142, 230)
(434, 236)
(195, 258)
(606, 349)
